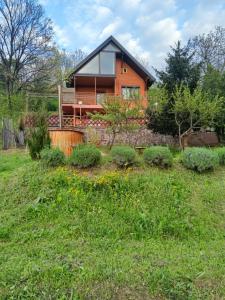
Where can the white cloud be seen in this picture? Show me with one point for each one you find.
(133, 46)
(110, 29)
(147, 28)
(130, 4)
(62, 37)
(204, 19)
(165, 31)
(43, 2)
(103, 12)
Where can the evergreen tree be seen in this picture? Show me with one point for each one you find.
(180, 69)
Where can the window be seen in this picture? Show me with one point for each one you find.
(103, 63)
(107, 63)
(130, 92)
(92, 67)
(112, 48)
(100, 97)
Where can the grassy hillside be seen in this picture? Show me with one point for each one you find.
(140, 234)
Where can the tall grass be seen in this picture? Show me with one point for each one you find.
(155, 234)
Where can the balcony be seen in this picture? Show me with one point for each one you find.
(70, 96)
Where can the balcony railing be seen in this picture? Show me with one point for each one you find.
(70, 96)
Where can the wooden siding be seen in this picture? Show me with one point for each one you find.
(131, 78)
(81, 91)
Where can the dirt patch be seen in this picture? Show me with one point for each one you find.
(110, 291)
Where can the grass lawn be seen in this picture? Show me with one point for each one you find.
(11, 160)
(145, 233)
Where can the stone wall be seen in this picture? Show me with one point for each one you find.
(141, 137)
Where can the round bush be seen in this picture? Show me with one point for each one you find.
(123, 156)
(52, 157)
(158, 156)
(85, 156)
(221, 154)
(200, 159)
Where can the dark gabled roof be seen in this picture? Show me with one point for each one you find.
(130, 59)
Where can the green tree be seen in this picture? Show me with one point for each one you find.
(180, 69)
(196, 110)
(37, 135)
(118, 114)
(213, 83)
(160, 117)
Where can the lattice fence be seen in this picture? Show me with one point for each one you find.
(53, 121)
(76, 122)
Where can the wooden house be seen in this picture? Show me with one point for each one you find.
(110, 70)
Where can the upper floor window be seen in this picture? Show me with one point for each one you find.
(130, 92)
(103, 63)
(107, 63)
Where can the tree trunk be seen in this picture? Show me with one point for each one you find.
(113, 140)
(9, 98)
(180, 138)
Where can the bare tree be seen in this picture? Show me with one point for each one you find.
(210, 49)
(25, 44)
(65, 63)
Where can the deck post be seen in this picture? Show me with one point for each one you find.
(95, 92)
(60, 105)
(74, 80)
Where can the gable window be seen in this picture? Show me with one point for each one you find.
(112, 48)
(130, 92)
(103, 63)
(107, 62)
(92, 67)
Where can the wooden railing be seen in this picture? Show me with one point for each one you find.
(53, 121)
(71, 121)
(81, 122)
(86, 98)
(84, 121)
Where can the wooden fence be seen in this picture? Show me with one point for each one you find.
(11, 137)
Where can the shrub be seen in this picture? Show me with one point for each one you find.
(123, 156)
(93, 136)
(52, 157)
(85, 156)
(158, 156)
(221, 154)
(37, 136)
(200, 159)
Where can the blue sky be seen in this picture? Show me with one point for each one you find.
(146, 28)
